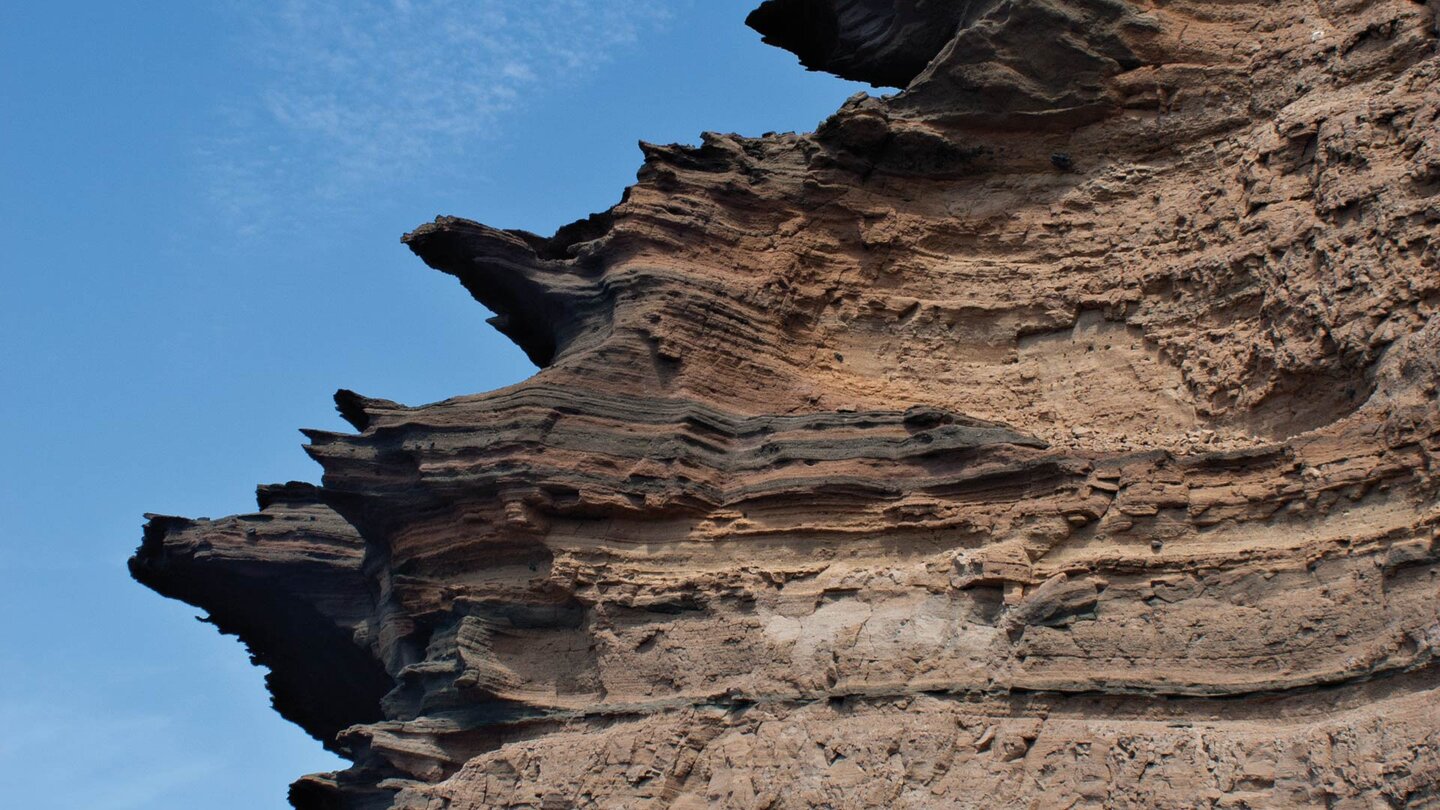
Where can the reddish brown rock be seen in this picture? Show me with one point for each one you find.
(1060, 431)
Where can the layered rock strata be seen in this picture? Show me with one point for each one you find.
(1058, 431)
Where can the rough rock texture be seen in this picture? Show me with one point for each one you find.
(1061, 431)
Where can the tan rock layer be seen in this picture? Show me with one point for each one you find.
(1060, 431)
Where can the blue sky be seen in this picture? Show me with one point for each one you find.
(199, 242)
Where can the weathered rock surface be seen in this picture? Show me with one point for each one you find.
(1061, 431)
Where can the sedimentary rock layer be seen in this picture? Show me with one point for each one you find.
(1060, 430)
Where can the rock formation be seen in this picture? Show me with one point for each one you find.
(1059, 431)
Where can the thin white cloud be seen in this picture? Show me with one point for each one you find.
(353, 92)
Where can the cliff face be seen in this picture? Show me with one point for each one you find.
(1060, 431)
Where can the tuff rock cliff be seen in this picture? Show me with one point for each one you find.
(1058, 431)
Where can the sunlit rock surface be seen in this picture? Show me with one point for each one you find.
(1060, 431)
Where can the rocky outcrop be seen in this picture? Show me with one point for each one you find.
(1059, 431)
